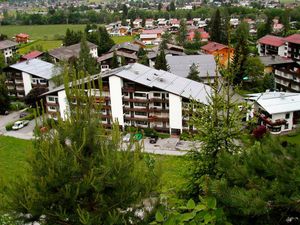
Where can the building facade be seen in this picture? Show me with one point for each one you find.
(8, 48)
(139, 96)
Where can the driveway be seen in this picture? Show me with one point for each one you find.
(24, 133)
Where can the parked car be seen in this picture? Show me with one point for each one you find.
(153, 139)
(20, 124)
(23, 114)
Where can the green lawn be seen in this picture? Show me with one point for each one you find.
(293, 137)
(43, 32)
(44, 45)
(13, 153)
(122, 39)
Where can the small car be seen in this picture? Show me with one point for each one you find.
(23, 114)
(20, 124)
(153, 139)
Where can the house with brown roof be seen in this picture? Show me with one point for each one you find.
(221, 52)
(72, 51)
(151, 37)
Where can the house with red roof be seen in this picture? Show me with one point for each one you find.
(22, 38)
(221, 52)
(151, 37)
(292, 49)
(31, 55)
(271, 45)
(204, 36)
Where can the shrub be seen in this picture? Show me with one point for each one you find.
(163, 135)
(9, 126)
(259, 132)
(15, 106)
(185, 136)
(28, 117)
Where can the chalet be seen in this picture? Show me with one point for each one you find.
(22, 77)
(72, 51)
(162, 23)
(22, 38)
(151, 37)
(278, 111)
(124, 58)
(149, 24)
(137, 23)
(124, 30)
(8, 48)
(32, 55)
(271, 45)
(127, 47)
(222, 52)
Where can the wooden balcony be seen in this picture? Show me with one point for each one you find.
(128, 89)
(159, 100)
(135, 100)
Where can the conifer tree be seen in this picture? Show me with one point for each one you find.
(105, 41)
(4, 98)
(79, 174)
(216, 27)
(172, 6)
(161, 62)
(114, 61)
(2, 62)
(182, 33)
(194, 73)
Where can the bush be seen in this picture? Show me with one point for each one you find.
(185, 136)
(9, 126)
(28, 117)
(259, 132)
(15, 106)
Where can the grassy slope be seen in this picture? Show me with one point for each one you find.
(13, 153)
(122, 39)
(46, 46)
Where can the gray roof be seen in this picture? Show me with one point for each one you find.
(274, 60)
(163, 80)
(7, 44)
(180, 65)
(119, 53)
(157, 79)
(126, 45)
(65, 53)
(38, 68)
(277, 102)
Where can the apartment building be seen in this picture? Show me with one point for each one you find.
(137, 95)
(278, 111)
(22, 77)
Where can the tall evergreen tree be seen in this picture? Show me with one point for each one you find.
(161, 62)
(124, 10)
(216, 27)
(159, 6)
(72, 37)
(172, 6)
(2, 62)
(4, 98)
(194, 73)
(86, 62)
(182, 33)
(114, 61)
(105, 41)
(241, 52)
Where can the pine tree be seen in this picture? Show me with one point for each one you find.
(161, 62)
(172, 6)
(241, 52)
(194, 73)
(125, 10)
(216, 27)
(79, 174)
(182, 33)
(4, 98)
(86, 62)
(159, 6)
(105, 41)
(2, 62)
(114, 61)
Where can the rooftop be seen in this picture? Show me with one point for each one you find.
(119, 53)
(295, 38)
(7, 44)
(271, 40)
(213, 46)
(126, 45)
(180, 65)
(32, 55)
(274, 60)
(65, 53)
(277, 102)
(38, 68)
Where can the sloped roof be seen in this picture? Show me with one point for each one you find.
(119, 53)
(277, 102)
(38, 68)
(274, 60)
(180, 65)
(7, 44)
(155, 31)
(213, 46)
(65, 53)
(271, 40)
(126, 45)
(295, 38)
(32, 55)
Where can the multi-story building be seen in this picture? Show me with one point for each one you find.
(292, 47)
(151, 37)
(278, 111)
(22, 77)
(287, 77)
(137, 95)
(223, 53)
(8, 48)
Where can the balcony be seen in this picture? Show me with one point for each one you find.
(128, 109)
(269, 121)
(158, 119)
(158, 109)
(20, 88)
(19, 81)
(52, 104)
(128, 89)
(135, 100)
(159, 100)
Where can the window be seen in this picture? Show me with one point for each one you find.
(51, 99)
(287, 116)
(104, 66)
(167, 95)
(140, 113)
(52, 108)
(286, 126)
(126, 103)
(139, 94)
(42, 81)
(157, 104)
(34, 81)
(155, 94)
(140, 104)
(141, 123)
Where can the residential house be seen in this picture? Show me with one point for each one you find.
(151, 37)
(137, 23)
(278, 111)
(124, 58)
(222, 52)
(22, 38)
(124, 30)
(72, 51)
(127, 47)
(206, 65)
(162, 23)
(277, 27)
(8, 48)
(149, 24)
(22, 77)
(204, 36)
(174, 25)
(234, 22)
(31, 55)
(292, 47)
(136, 95)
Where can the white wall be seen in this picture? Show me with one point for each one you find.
(51, 85)
(63, 104)
(115, 84)
(281, 51)
(26, 82)
(175, 112)
(281, 116)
